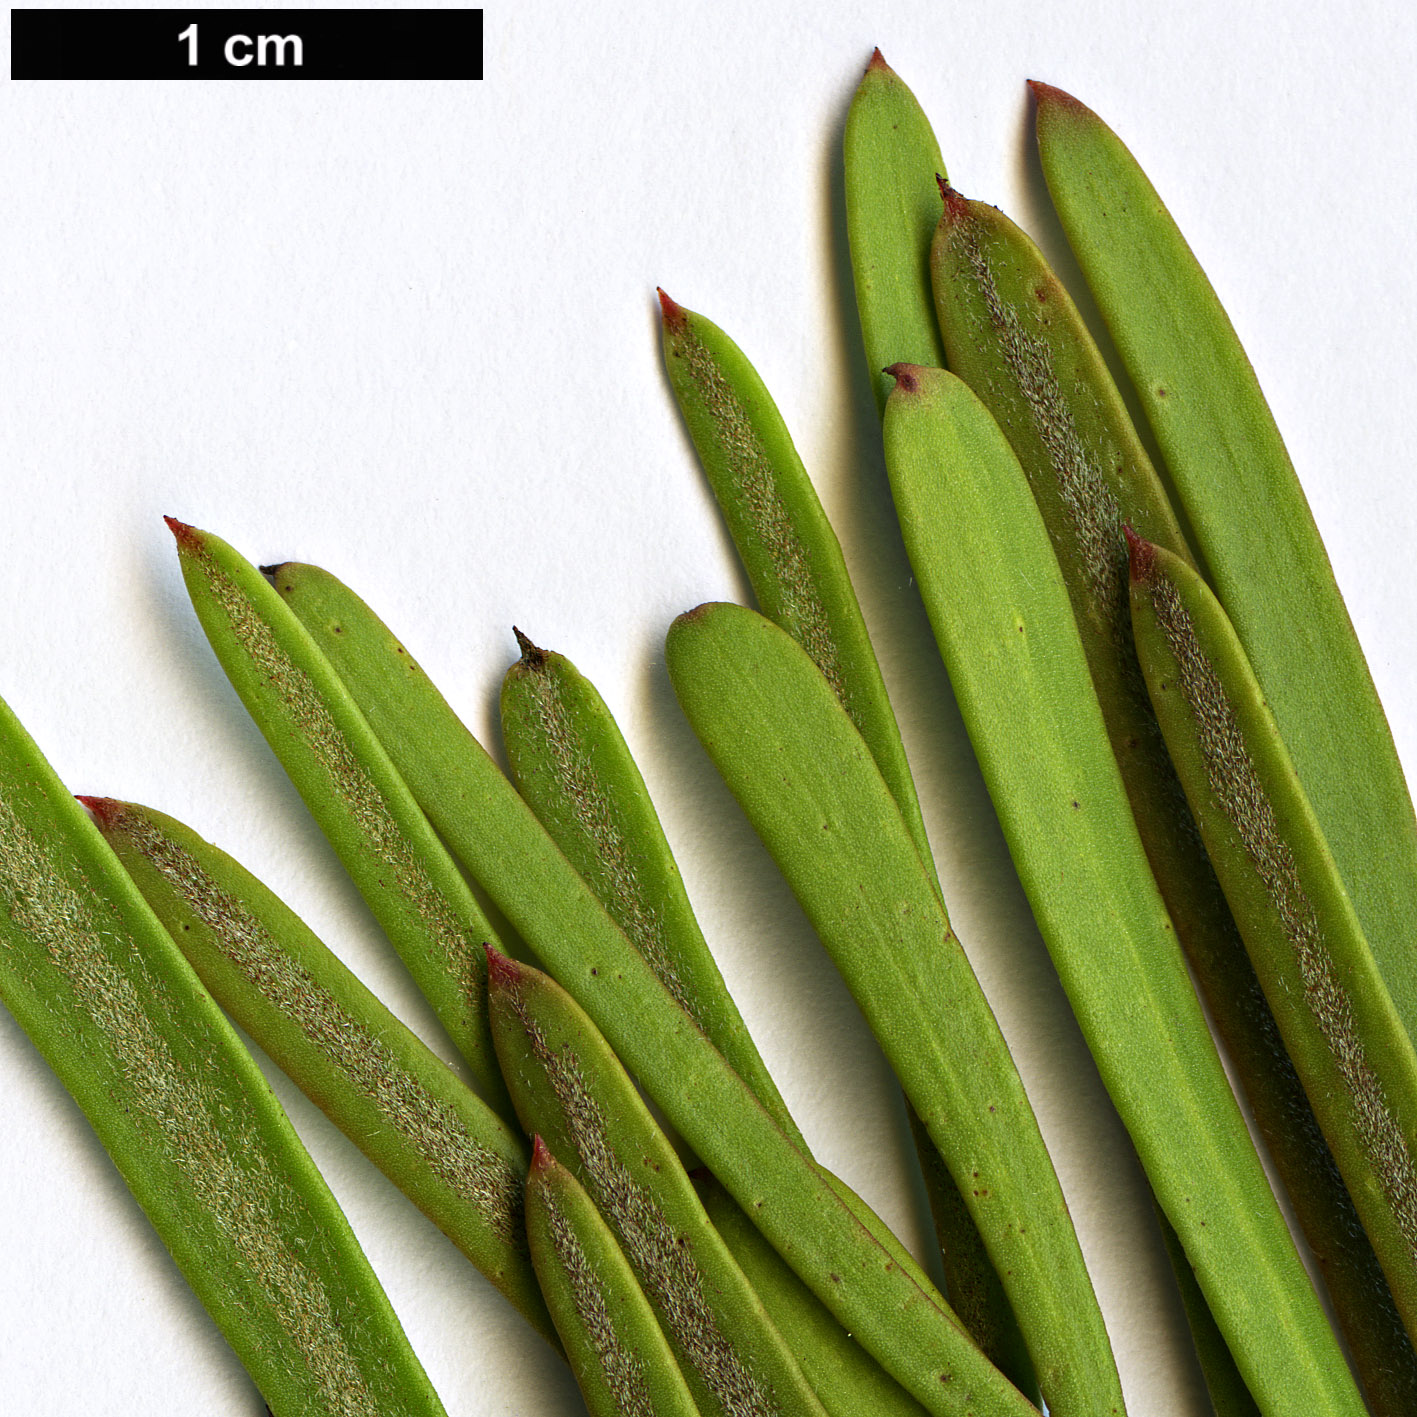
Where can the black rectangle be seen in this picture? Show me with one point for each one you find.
(246, 44)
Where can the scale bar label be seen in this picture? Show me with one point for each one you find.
(246, 44)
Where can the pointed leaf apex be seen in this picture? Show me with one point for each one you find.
(187, 536)
(1046, 96)
(532, 656)
(541, 1158)
(106, 810)
(956, 205)
(1141, 555)
(878, 62)
(906, 376)
(502, 973)
(675, 319)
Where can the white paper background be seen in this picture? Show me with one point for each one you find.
(407, 331)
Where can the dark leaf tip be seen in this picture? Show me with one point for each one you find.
(1141, 555)
(906, 376)
(956, 205)
(675, 318)
(532, 656)
(106, 810)
(187, 536)
(699, 612)
(1046, 96)
(502, 973)
(541, 1158)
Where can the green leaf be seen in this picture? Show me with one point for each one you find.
(191, 1124)
(1005, 627)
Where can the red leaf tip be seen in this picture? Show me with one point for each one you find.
(106, 810)
(541, 1158)
(1046, 96)
(699, 612)
(186, 535)
(1141, 554)
(906, 376)
(956, 205)
(878, 62)
(502, 973)
(675, 319)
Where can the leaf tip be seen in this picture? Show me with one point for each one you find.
(188, 537)
(1054, 100)
(533, 657)
(674, 316)
(502, 972)
(699, 612)
(956, 203)
(105, 810)
(1141, 555)
(906, 376)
